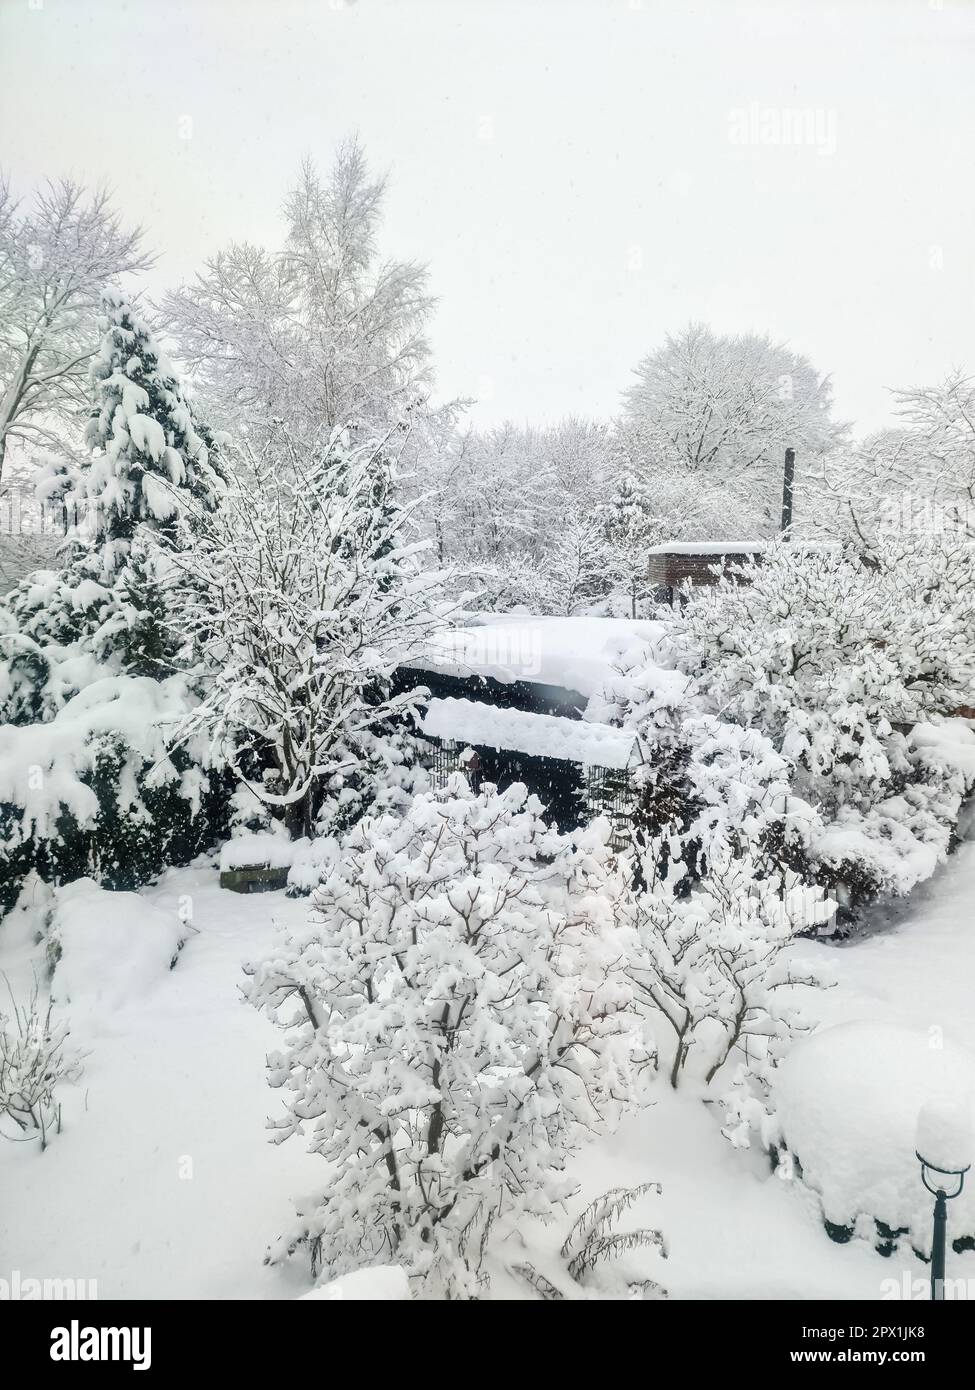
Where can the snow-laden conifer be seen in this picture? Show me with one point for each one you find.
(92, 668)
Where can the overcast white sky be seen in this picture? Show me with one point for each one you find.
(580, 175)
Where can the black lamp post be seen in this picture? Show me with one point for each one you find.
(941, 1199)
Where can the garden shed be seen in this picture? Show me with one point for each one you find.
(698, 562)
(507, 698)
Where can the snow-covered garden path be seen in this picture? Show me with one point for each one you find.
(917, 964)
(176, 1075)
(164, 1184)
(736, 1231)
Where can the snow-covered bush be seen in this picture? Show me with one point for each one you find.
(847, 1103)
(95, 790)
(305, 592)
(592, 1242)
(709, 787)
(456, 1019)
(826, 652)
(107, 949)
(34, 1060)
(825, 659)
(712, 964)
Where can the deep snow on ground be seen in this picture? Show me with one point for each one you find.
(177, 1074)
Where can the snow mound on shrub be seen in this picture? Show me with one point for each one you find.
(882, 844)
(383, 1283)
(947, 744)
(43, 766)
(312, 860)
(108, 948)
(848, 1101)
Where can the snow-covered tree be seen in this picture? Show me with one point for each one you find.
(707, 421)
(148, 450)
(576, 565)
(500, 491)
(916, 479)
(456, 1021)
(631, 527)
(56, 258)
(305, 592)
(569, 577)
(501, 496)
(149, 459)
(89, 685)
(940, 422)
(321, 333)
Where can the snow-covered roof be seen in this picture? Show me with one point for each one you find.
(577, 654)
(538, 735)
(736, 547)
(708, 548)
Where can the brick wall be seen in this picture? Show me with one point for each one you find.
(672, 568)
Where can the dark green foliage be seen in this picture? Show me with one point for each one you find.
(128, 845)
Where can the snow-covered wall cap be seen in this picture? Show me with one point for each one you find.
(709, 548)
(738, 547)
(538, 735)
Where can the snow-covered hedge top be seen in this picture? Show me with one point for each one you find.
(539, 735)
(578, 653)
